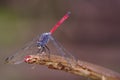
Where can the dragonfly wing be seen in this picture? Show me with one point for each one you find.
(29, 48)
(62, 51)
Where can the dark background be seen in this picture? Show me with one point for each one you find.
(92, 33)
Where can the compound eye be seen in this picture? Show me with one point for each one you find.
(38, 45)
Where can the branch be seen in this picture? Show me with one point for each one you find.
(76, 67)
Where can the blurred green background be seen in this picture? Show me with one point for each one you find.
(92, 33)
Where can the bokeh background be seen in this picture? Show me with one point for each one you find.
(92, 34)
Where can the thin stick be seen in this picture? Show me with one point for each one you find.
(76, 67)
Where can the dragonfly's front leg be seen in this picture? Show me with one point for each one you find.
(41, 50)
(44, 49)
(48, 51)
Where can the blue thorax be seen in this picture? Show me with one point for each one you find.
(43, 39)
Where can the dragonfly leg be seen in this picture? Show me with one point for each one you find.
(40, 50)
(48, 50)
(43, 49)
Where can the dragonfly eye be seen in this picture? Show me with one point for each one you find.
(38, 45)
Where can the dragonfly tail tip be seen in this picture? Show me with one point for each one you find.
(68, 12)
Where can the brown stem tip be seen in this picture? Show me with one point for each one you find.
(76, 67)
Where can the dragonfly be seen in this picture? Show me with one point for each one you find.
(39, 45)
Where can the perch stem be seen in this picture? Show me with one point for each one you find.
(76, 67)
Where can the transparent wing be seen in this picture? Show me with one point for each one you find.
(29, 48)
(62, 51)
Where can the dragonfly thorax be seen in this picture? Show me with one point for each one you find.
(43, 40)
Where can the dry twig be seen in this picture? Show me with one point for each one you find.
(76, 67)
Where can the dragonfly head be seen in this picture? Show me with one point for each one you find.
(39, 44)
